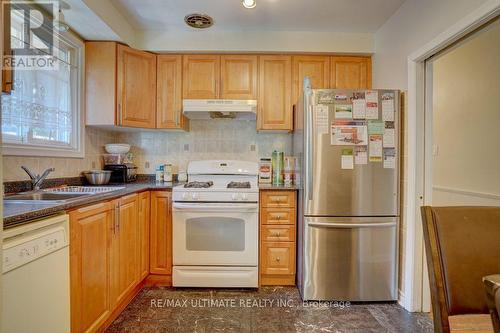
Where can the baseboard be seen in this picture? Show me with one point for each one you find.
(158, 280)
(277, 280)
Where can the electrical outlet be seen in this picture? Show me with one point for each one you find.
(435, 150)
(146, 165)
(93, 164)
(186, 147)
(252, 147)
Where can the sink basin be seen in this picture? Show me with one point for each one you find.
(62, 194)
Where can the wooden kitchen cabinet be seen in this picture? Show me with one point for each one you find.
(90, 268)
(238, 77)
(144, 223)
(125, 250)
(7, 74)
(317, 68)
(353, 72)
(278, 237)
(161, 233)
(201, 74)
(136, 88)
(120, 85)
(169, 93)
(275, 90)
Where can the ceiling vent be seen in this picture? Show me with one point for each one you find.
(199, 21)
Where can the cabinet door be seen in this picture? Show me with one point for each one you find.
(238, 77)
(124, 248)
(7, 74)
(136, 88)
(200, 76)
(317, 68)
(144, 209)
(161, 233)
(169, 93)
(278, 258)
(351, 72)
(90, 232)
(275, 102)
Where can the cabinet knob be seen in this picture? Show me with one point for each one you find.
(278, 259)
(278, 217)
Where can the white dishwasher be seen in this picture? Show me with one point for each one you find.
(36, 277)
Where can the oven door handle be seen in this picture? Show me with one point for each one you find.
(205, 207)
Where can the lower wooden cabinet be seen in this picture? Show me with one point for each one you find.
(109, 258)
(161, 233)
(90, 240)
(278, 237)
(144, 223)
(125, 250)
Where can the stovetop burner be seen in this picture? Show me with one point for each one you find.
(199, 184)
(238, 185)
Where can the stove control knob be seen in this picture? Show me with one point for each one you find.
(195, 196)
(234, 196)
(244, 196)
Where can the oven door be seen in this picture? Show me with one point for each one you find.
(215, 234)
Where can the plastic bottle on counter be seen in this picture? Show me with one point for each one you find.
(277, 161)
(167, 173)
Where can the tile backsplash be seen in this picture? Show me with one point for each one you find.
(207, 139)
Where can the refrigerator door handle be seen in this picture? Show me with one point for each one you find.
(351, 225)
(309, 147)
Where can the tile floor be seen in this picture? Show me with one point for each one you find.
(270, 309)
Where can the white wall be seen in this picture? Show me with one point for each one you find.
(413, 25)
(255, 41)
(466, 116)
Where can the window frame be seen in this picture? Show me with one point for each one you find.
(78, 149)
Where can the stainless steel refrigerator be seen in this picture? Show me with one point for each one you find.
(347, 144)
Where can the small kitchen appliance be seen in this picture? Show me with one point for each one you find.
(215, 225)
(122, 173)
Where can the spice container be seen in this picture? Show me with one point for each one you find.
(159, 173)
(265, 170)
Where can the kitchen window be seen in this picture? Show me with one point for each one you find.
(43, 114)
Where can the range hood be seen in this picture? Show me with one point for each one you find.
(219, 109)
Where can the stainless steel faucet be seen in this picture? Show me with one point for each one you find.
(37, 180)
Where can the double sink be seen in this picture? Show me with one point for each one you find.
(58, 195)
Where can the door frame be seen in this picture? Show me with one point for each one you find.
(413, 296)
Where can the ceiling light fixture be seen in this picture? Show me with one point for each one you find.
(249, 3)
(59, 23)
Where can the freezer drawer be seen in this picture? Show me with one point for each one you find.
(350, 259)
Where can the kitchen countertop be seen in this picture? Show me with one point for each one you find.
(15, 214)
(278, 187)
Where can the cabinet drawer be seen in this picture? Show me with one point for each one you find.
(278, 233)
(278, 199)
(278, 258)
(277, 216)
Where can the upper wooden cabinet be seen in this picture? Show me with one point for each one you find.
(120, 85)
(275, 89)
(169, 93)
(201, 74)
(351, 72)
(317, 68)
(238, 77)
(136, 88)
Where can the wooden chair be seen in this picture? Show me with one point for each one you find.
(462, 246)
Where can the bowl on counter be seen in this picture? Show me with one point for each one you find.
(117, 148)
(98, 177)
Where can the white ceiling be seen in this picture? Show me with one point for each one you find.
(364, 16)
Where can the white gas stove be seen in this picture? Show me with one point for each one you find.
(215, 225)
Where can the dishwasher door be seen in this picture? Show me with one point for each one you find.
(349, 259)
(36, 277)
